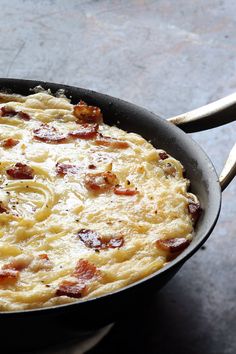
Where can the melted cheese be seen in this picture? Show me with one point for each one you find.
(46, 213)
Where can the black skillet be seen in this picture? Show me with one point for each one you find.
(42, 326)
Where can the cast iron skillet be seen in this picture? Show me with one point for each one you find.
(41, 326)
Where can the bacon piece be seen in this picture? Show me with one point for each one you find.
(163, 155)
(42, 262)
(87, 114)
(92, 239)
(115, 242)
(9, 143)
(92, 167)
(20, 171)
(63, 169)
(85, 131)
(100, 182)
(112, 142)
(173, 245)
(9, 112)
(8, 275)
(23, 115)
(44, 256)
(15, 265)
(125, 191)
(85, 271)
(194, 210)
(49, 134)
(19, 262)
(169, 170)
(71, 289)
(3, 209)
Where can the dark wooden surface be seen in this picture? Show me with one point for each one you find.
(170, 57)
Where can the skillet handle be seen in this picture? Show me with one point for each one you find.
(210, 116)
(229, 169)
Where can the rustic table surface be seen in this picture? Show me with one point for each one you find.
(170, 57)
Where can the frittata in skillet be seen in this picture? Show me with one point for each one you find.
(85, 208)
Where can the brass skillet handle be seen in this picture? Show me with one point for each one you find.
(210, 116)
(229, 169)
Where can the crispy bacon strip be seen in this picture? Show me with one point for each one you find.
(93, 240)
(125, 191)
(169, 170)
(23, 115)
(173, 245)
(43, 256)
(63, 169)
(15, 265)
(85, 131)
(9, 143)
(100, 182)
(42, 262)
(49, 134)
(71, 289)
(3, 209)
(112, 142)
(163, 155)
(18, 263)
(194, 210)
(9, 112)
(84, 271)
(92, 167)
(115, 242)
(20, 171)
(90, 238)
(8, 275)
(87, 114)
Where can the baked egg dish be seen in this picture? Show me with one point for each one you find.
(85, 208)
